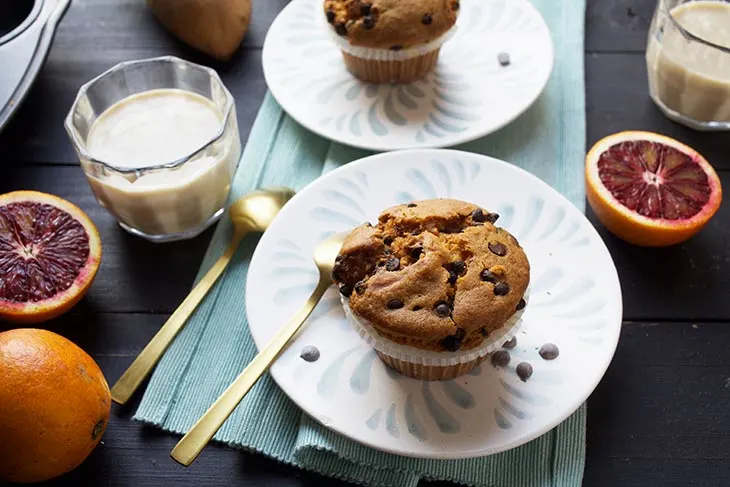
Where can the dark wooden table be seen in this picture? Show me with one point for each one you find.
(659, 417)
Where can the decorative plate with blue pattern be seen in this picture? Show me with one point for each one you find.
(575, 302)
(469, 95)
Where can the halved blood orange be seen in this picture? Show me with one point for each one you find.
(649, 189)
(49, 254)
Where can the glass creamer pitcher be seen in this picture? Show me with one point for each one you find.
(688, 62)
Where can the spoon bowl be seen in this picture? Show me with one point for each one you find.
(255, 211)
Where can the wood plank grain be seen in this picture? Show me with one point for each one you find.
(97, 34)
(657, 418)
(138, 276)
(135, 275)
(660, 416)
(682, 282)
(36, 133)
(618, 25)
(110, 26)
(617, 98)
(661, 406)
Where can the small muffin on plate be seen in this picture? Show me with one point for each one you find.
(390, 41)
(434, 287)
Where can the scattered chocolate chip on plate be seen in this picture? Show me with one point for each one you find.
(524, 371)
(349, 387)
(310, 353)
(501, 358)
(549, 351)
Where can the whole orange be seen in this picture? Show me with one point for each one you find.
(54, 405)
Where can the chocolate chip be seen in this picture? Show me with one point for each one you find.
(393, 264)
(330, 16)
(484, 332)
(368, 22)
(549, 351)
(492, 217)
(395, 304)
(365, 9)
(310, 353)
(417, 308)
(388, 240)
(338, 273)
(346, 290)
(524, 371)
(411, 205)
(510, 344)
(459, 267)
(451, 343)
(416, 253)
(497, 248)
(478, 215)
(341, 29)
(456, 5)
(501, 289)
(442, 309)
(427, 19)
(488, 276)
(503, 59)
(360, 287)
(501, 358)
(396, 47)
(453, 276)
(521, 304)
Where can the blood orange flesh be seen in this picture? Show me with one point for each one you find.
(655, 180)
(650, 189)
(49, 254)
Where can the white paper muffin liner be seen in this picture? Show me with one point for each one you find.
(431, 358)
(376, 54)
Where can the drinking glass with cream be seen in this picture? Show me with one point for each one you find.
(688, 61)
(158, 141)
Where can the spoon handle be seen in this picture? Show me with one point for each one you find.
(151, 354)
(190, 446)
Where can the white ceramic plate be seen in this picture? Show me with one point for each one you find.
(575, 302)
(468, 96)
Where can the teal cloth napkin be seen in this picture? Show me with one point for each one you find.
(548, 140)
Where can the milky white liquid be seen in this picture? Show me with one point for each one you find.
(689, 77)
(159, 127)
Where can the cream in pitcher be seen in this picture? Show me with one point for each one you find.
(157, 127)
(689, 78)
(160, 159)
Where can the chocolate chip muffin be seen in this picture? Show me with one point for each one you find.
(384, 41)
(435, 276)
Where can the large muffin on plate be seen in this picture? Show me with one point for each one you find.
(390, 41)
(435, 286)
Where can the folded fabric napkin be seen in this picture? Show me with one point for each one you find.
(548, 140)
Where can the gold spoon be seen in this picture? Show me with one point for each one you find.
(251, 213)
(188, 449)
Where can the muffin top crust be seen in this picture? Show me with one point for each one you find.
(391, 24)
(435, 274)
